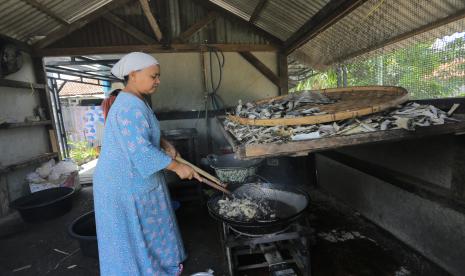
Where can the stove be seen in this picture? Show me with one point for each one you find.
(284, 253)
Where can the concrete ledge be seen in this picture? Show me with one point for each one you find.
(437, 232)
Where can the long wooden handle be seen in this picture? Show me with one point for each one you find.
(201, 172)
(216, 186)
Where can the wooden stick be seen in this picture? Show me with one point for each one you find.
(216, 186)
(201, 172)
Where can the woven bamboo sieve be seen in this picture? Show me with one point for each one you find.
(352, 102)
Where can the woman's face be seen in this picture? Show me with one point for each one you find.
(147, 80)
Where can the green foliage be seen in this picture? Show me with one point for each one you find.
(81, 153)
(319, 80)
(424, 71)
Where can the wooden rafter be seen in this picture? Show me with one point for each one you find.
(283, 74)
(227, 14)
(258, 9)
(154, 48)
(262, 68)
(45, 10)
(65, 30)
(197, 26)
(128, 28)
(325, 18)
(151, 18)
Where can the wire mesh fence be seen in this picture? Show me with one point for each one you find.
(429, 63)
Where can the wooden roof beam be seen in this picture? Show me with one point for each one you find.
(227, 14)
(151, 18)
(197, 26)
(258, 9)
(45, 10)
(334, 11)
(66, 30)
(262, 68)
(154, 48)
(128, 28)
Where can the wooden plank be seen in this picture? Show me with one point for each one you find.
(307, 146)
(25, 124)
(128, 28)
(45, 10)
(258, 9)
(197, 26)
(334, 11)
(262, 68)
(28, 162)
(186, 115)
(155, 48)
(66, 30)
(53, 140)
(20, 84)
(107, 62)
(233, 17)
(151, 18)
(283, 74)
(428, 27)
(417, 186)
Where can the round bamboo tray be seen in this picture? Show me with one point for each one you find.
(351, 102)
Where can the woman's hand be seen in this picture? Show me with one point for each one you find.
(183, 171)
(169, 148)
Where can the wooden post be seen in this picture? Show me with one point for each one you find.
(283, 74)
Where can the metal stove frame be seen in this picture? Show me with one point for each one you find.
(295, 239)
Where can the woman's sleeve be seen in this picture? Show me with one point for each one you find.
(134, 136)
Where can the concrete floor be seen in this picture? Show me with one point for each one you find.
(345, 244)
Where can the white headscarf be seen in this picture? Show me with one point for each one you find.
(132, 62)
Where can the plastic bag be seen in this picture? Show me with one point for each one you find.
(34, 177)
(62, 168)
(46, 168)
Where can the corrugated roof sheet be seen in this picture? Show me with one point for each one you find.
(23, 22)
(279, 18)
(377, 21)
(16, 20)
(185, 13)
(283, 18)
(71, 11)
(98, 33)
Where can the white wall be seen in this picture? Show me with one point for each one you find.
(181, 80)
(181, 88)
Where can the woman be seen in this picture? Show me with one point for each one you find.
(136, 226)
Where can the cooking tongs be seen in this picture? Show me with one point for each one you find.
(207, 178)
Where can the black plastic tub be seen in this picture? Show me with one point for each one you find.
(84, 231)
(44, 205)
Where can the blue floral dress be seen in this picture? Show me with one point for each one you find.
(136, 227)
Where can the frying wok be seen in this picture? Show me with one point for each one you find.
(287, 202)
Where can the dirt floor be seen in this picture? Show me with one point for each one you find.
(344, 244)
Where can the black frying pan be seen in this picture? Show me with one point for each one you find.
(287, 202)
